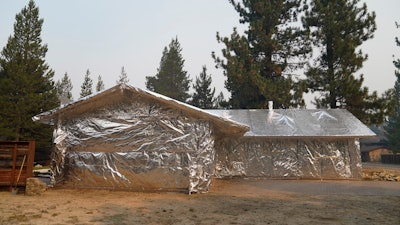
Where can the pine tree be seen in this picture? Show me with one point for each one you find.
(86, 87)
(259, 64)
(64, 89)
(26, 86)
(100, 84)
(392, 127)
(171, 80)
(203, 96)
(220, 102)
(123, 77)
(337, 29)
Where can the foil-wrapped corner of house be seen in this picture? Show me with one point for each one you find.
(135, 147)
(292, 143)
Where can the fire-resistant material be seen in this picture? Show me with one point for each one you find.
(135, 140)
(128, 138)
(289, 158)
(293, 143)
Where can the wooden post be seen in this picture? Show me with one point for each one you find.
(31, 158)
(14, 164)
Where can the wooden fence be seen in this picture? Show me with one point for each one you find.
(16, 162)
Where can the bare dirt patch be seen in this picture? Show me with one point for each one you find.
(228, 202)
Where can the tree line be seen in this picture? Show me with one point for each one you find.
(171, 80)
(288, 48)
(64, 86)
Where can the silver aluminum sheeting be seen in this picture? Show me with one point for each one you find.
(298, 122)
(135, 146)
(127, 138)
(121, 92)
(293, 143)
(288, 158)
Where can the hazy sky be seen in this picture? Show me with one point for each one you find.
(104, 35)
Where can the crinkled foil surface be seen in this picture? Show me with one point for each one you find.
(288, 158)
(298, 123)
(144, 145)
(314, 144)
(134, 146)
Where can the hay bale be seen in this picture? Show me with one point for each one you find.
(34, 186)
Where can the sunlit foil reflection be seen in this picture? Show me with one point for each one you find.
(135, 146)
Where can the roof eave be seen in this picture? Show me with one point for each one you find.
(226, 126)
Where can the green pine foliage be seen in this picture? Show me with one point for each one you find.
(123, 77)
(392, 127)
(259, 65)
(203, 96)
(392, 130)
(86, 87)
(337, 29)
(26, 86)
(220, 102)
(64, 89)
(171, 80)
(100, 84)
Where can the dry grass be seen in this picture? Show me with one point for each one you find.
(227, 203)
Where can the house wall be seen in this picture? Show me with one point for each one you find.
(288, 158)
(375, 155)
(133, 145)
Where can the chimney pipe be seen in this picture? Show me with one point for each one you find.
(271, 105)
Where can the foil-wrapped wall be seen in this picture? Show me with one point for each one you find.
(288, 158)
(134, 146)
(127, 138)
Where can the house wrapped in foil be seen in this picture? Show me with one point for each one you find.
(126, 138)
(292, 143)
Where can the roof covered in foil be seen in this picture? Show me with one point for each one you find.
(125, 93)
(298, 122)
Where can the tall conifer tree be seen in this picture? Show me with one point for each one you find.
(64, 89)
(123, 77)
(203, 96)
(26, 85)
(87, 85)
(220, 102)
(338, 28)
(171, 80)
(259, 64)
(100, 84)
(392, 128)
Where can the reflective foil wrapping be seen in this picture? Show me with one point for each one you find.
(292, 143)
(134, 146)
(132, 139)
(288, 158)
(299, 123)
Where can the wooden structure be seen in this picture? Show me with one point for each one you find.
(16, 162)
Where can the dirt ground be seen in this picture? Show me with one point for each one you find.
(237, 201)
